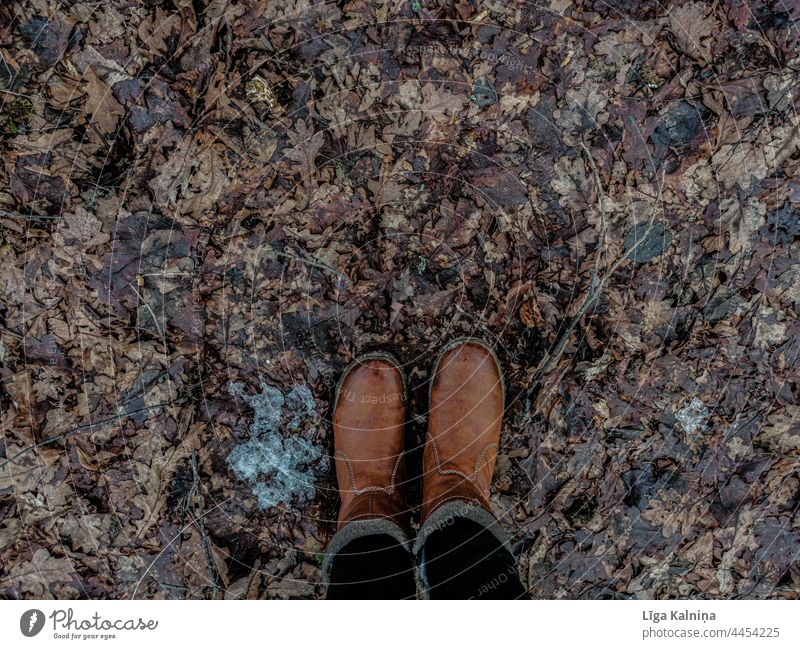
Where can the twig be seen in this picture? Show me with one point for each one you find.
(170, 544)
(197, 497)
(62, 436)
(596, 283)
(17, 94)
(19, 215)
(313, 262)
(152, 314)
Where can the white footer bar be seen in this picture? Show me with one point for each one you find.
(379, 625)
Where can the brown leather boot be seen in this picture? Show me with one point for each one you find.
(464, 420)
(368, 419)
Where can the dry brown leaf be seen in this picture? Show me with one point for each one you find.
(692, 24)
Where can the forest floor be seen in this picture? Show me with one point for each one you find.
(209, 207)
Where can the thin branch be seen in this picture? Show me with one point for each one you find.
(17, 94)
(315, 263)
(62, 436)
(152, 314)
(197, 499)
(596, 285)
(4, 214)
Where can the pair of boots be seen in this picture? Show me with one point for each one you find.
(464, 421)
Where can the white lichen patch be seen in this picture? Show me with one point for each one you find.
(693, 416)
(278, 466)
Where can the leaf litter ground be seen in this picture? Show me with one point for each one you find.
(208, 208)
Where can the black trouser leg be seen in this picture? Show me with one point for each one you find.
(372, 567)
(466, 561)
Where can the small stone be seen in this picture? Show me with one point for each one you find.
(678, 127)
(722, 304)
(652, 240)
(483, 93)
